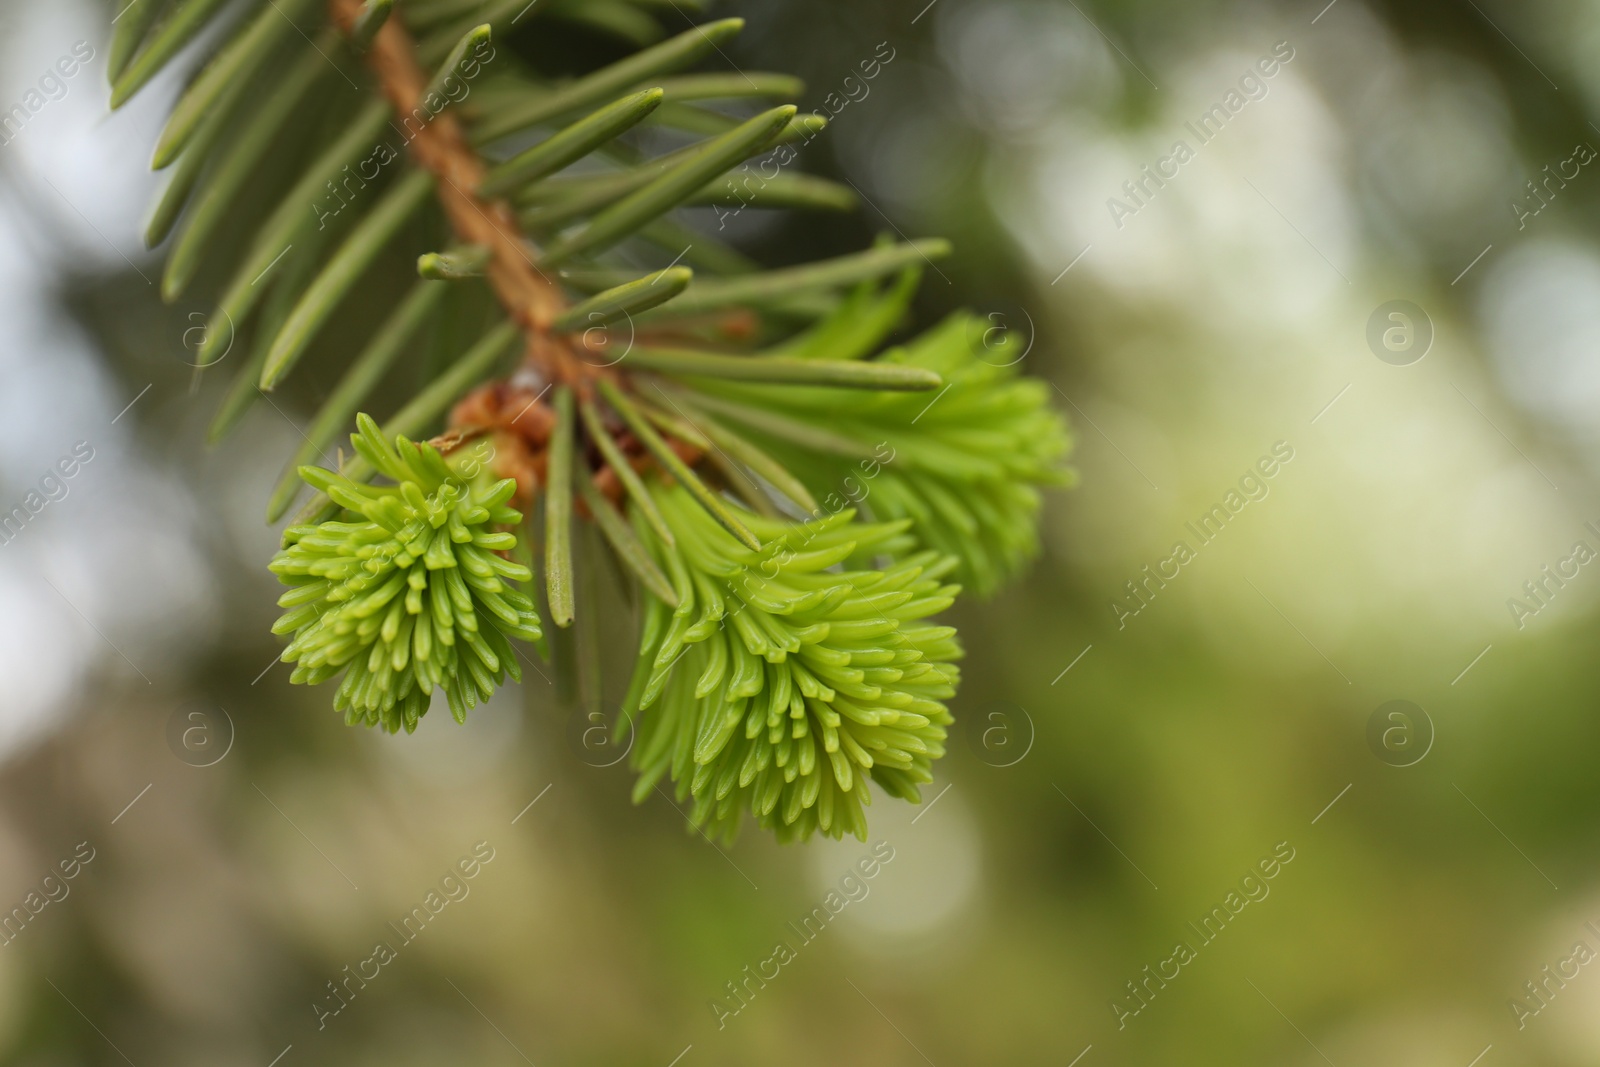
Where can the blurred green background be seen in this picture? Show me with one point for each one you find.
(1124, 773)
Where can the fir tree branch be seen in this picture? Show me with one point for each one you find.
(439, 145)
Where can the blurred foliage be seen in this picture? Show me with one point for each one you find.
(1175, 753)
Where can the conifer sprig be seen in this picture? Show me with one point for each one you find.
(788, 496)
(412, 597)
(786, 678)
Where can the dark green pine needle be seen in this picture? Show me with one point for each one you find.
(558, 513)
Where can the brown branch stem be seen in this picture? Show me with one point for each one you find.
(511, 412)
(439, 146)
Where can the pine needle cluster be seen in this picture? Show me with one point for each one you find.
(792, 495)
(787, 677)
(413, 597)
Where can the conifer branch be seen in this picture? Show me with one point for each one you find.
(439, 145)
(754, 457)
